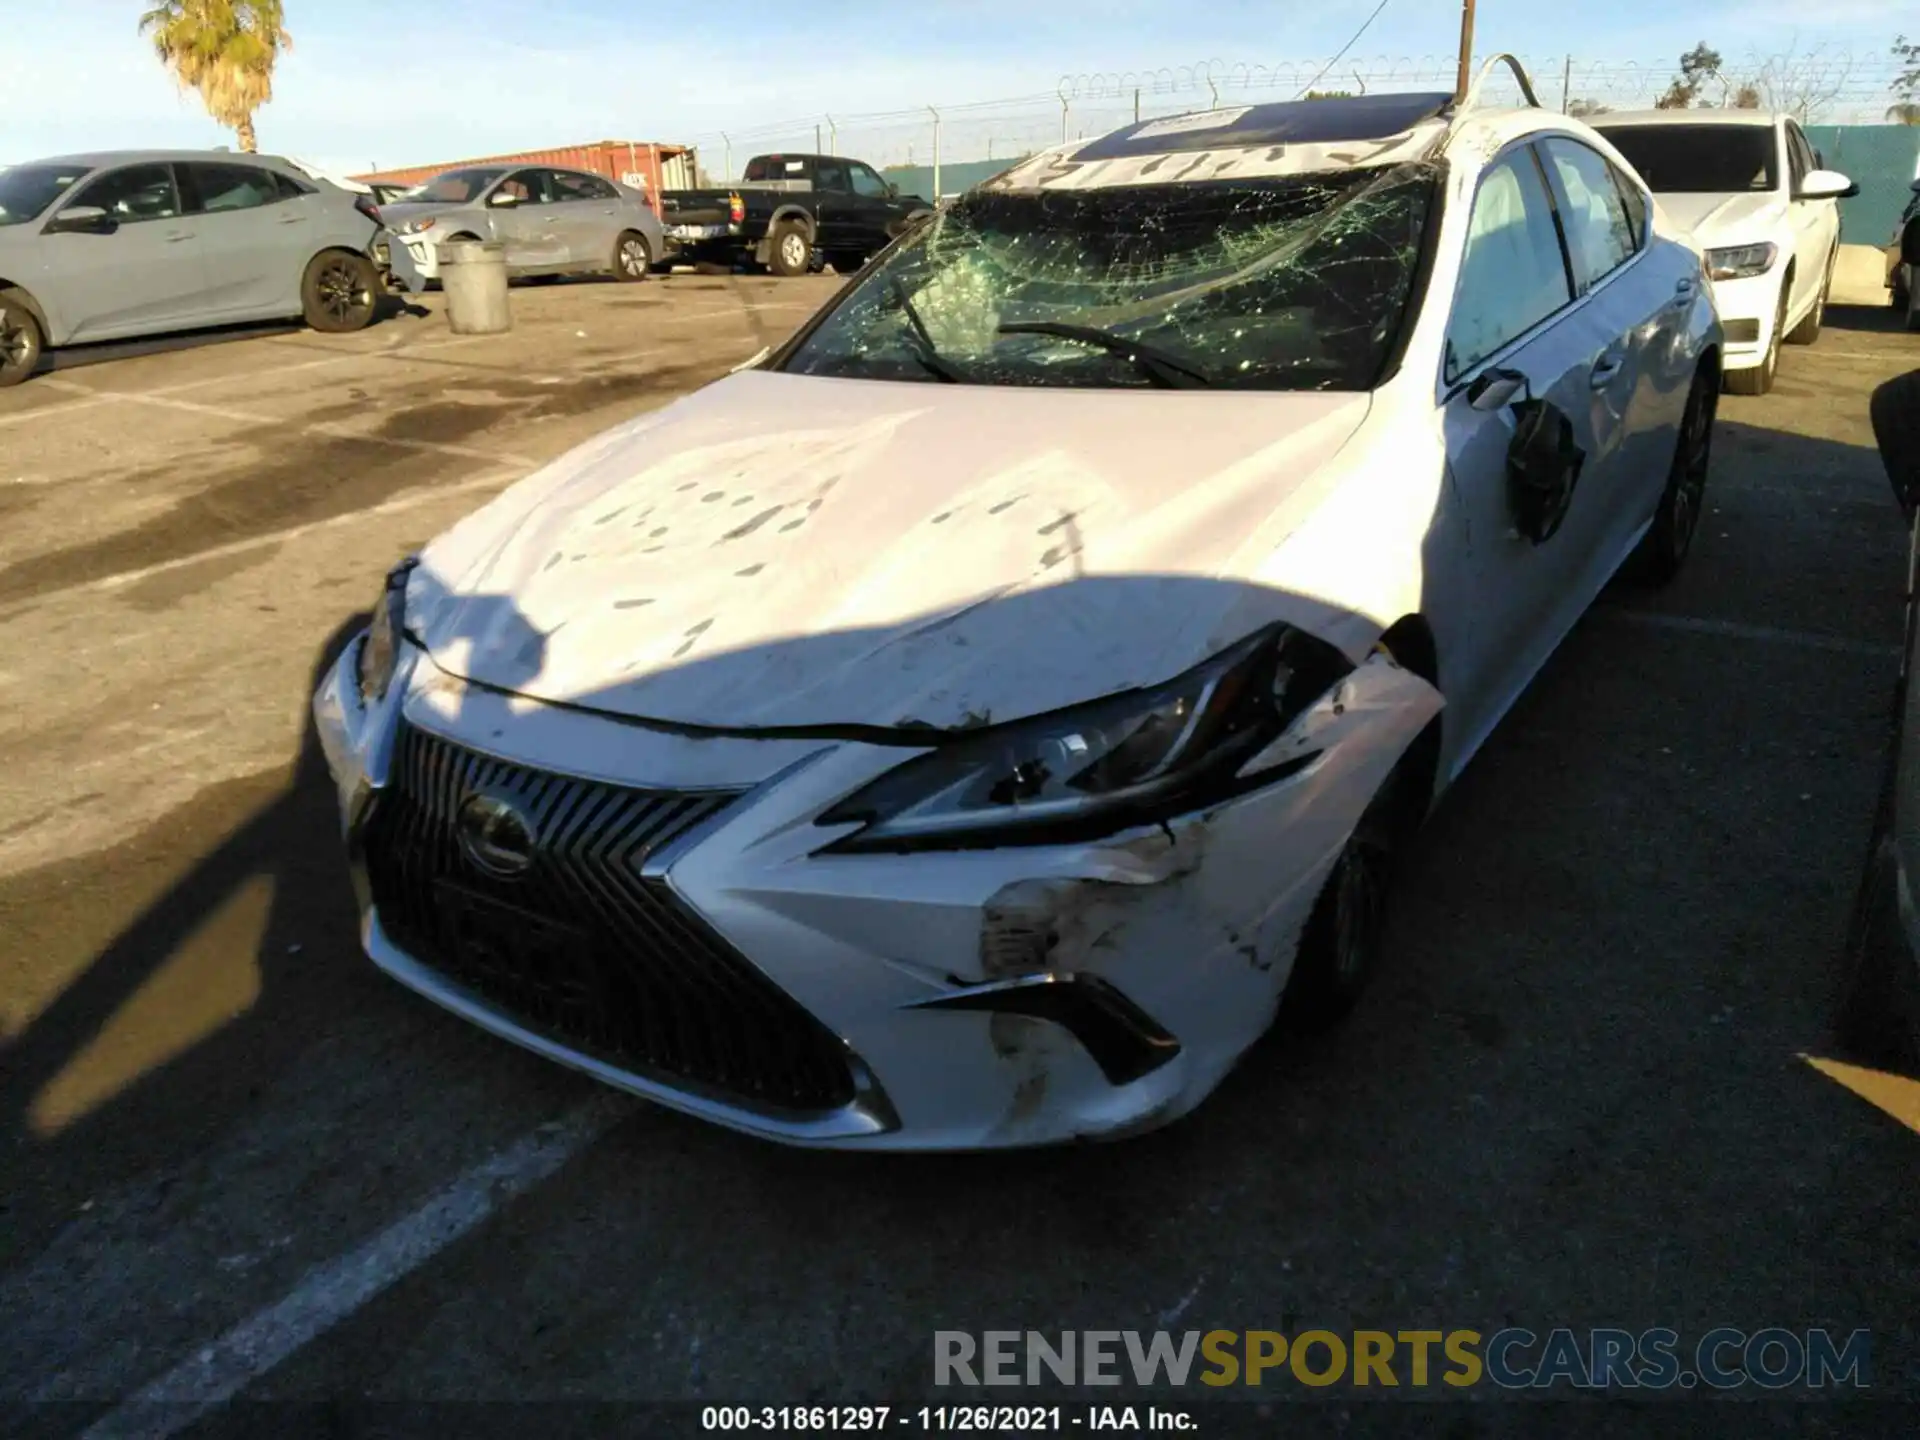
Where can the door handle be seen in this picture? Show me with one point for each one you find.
(293, 219)
(177, 236)
(1605, 368)
(1683, 293)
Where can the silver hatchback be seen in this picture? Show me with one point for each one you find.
(118, 245)
(551, 221)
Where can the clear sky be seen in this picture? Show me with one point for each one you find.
(369, 81)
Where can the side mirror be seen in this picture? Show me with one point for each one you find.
(893, 191)
(81, 220)
(1826, 185)
(504, 199)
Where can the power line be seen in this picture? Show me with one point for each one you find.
(1340, 54)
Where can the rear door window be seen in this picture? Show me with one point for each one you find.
(1600, 234)
(1513, 274)
(572, 185)
(218, 188)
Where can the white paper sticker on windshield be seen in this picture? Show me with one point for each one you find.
(1182, 124)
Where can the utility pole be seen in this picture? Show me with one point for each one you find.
(1136, 104)
(936, 153)
(1466, 49)
(1566, 85)
(816, 139)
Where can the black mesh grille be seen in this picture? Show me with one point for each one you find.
(580, 946)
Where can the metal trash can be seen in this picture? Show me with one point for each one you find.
(473, 275)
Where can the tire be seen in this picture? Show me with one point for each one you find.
(1913, 310)
(632, 257)
(846, 262)
(1808, 330)
(1878, 1015)
(1895, 412)
(1759, 379)
(789, 252)
(21, 342)
(1341, 945)
(1664, 548)
(340, 292)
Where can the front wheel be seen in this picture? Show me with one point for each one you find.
(632, 257)
(340, 292)
(1664, 548)
(20, 342)
(1340, 948)
(1808, 330)
(1759, 379)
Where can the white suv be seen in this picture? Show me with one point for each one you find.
(1753, 195)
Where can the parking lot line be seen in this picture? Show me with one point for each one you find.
(1735, 630)
(337, 1288)
(497, 479)
(223, 412)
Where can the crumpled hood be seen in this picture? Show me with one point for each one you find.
(785, 551)
(1716, 220)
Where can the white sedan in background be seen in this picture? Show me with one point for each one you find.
(1749, 189)
(968, 725)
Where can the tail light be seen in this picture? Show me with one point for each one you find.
(366, 206)
(736, 209)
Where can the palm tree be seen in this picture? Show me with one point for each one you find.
(1906, 112)
(225, 49)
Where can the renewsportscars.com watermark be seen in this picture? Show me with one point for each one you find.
(1512, 1359)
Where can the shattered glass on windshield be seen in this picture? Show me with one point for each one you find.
(1291, 283)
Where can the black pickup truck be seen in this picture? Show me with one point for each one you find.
(786, 208)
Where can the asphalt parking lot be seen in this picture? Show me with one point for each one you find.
(240, 1162)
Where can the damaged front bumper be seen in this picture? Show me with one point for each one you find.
(1024, 995)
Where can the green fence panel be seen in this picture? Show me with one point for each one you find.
(1884, 160)
(962, 175)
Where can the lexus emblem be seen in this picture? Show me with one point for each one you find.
(495, 835)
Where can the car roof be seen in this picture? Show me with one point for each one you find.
(1755, 118)
(1294, 137)
(99, 158)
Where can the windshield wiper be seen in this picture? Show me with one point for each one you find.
(925, 351)
(1154, 363)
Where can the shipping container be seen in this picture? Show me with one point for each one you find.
(646, 165)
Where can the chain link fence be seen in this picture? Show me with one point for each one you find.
(1821, 86)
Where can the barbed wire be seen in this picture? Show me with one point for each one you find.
(1823, 85)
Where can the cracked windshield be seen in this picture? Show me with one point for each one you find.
(1295, 283)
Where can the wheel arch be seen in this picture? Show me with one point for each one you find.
(1412, 643)
(790, 212)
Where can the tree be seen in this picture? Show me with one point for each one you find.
(225, 49)
(1697, 67)
(1905, 109)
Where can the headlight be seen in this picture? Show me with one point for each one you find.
(380, 648)
(417, 227)
(1737, 262)
(1128, 760)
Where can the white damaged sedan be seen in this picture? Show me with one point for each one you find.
(969, 724)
